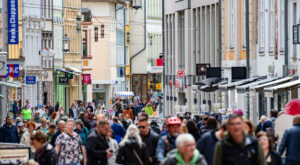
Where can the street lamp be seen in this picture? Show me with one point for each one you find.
(136, 4)
(66, 41)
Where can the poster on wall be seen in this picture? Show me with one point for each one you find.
(12, 22)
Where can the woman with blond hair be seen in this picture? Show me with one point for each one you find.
(132, 150)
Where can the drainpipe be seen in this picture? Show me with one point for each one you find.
(145, 39)
(220, 33)
(247, 40)
(163, 51)
(286, 57)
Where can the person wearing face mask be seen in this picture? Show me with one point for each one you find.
(167, 143)
(206, 144)
(185, 152)
(266, 142)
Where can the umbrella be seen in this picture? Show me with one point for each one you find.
(293, 107)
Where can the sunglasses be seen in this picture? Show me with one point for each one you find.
(205, 118)
(141, 127)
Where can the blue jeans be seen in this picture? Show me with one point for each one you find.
(69, 163)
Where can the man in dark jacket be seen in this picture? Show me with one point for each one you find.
(206, 144)
(61, 129)
(150, 138)
(9, 132)
(237, 147)
(50, 108)
(96, 146)
(291, 142)
(15, 108)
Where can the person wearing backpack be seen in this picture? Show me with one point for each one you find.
(237, 147)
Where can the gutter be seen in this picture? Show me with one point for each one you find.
(220, 33)
(163, 52)
(286, 39)
(145, 39)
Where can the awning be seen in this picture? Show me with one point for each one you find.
(209, 84)
(11, 84)
(272, 83)
(238, 83)
(245, 87)
(63, 70)
(124, 94)
(282, 87)
(73, 69)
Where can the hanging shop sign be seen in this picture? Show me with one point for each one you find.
(201, 69)
(296, 34)
(158, 86)
(12, 21)
(63, 80)
(157, 65)
(86, 79)
(14, 70)
(30, 79)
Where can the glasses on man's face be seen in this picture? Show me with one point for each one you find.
(141, 127)
(235, 124)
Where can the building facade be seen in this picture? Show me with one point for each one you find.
(72, 56)
(33, 24)
(191, 37)
(101, 52)
(58, 35)
(146, 49)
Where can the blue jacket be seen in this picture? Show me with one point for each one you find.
(118, 131)
(9, 134)
(206, 146)
(162, 148)
(291, 142)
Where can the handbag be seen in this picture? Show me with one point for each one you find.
(138, 157)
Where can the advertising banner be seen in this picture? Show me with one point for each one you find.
(12, 21)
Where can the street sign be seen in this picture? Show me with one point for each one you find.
(63, 80)
(14, 70)
(180, 73)
(30, 79)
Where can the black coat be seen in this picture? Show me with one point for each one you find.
(126, 154)
(47, 156)
(155, 128)
(54, 137)
(206, 146)
(151, 142)
(9, 134)
(96, 147)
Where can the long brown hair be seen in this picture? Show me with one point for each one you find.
(270, 140)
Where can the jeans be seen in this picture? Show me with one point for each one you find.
(69, 163)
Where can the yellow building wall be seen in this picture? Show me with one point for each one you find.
(72, 9)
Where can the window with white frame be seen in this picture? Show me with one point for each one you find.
(281, 25)
(272, 25)
(261, 25)
(244, 24)
(232, 24)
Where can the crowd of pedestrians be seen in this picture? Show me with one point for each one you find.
(136, 134)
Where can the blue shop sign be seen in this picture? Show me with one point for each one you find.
(13, 22)
(30, 79)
